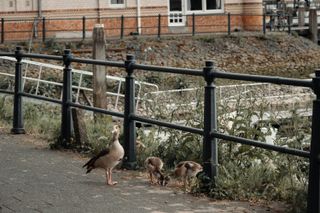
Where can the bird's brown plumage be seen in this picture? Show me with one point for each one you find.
(154, 166)
(187, 170)
(108, 158)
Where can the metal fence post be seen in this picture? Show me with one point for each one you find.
(122, 27)
(43, 29)
(193, 24)
(159, 26)
(66, 119)
(2, 30)
(210, 147)
(314, 168)
(289, 24)
(264, 24)
(229, 24)
(129, 130)
(17, 104)
(83, 28)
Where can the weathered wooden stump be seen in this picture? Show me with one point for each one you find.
(313, 24)
(80, 129)
(99, 72)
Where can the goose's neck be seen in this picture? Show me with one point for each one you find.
(115, 138)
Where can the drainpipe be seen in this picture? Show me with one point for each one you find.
(39, 9)
(138, 17)
(15, 6)
(98, 3)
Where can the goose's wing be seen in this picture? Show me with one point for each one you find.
(90, 163)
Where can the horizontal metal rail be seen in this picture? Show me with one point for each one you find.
(168, 69)
(43, 98)
(41, 56)
(263, 79)
(98, 62)
(227, 75)
(95, 109)
(7, 54)
(260, 144)
(167, 124)
(6, 91)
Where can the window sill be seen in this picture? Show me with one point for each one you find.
(117, 6)
(218, 11)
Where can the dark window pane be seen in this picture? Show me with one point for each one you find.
(175, 5)
(196, 5)
(117, 1)
(211, 4)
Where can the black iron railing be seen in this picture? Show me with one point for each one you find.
(210, 132)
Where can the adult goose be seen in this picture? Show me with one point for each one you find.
(108, 158)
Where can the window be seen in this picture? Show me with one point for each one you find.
(27, 3)
(203, 5)
(117, 1)
(10, 3)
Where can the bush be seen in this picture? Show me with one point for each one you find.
(245, 172)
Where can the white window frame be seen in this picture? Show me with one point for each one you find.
(204, 10)
(120, 5)
(185, 12)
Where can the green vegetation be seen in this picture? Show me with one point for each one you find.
(245, 172)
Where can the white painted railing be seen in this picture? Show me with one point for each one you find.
(79, 86)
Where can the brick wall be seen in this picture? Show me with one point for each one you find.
(63, 6)
(67, 28)
(245, 15)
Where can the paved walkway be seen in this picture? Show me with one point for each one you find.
(36, 179)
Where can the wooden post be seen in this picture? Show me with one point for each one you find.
(313, 24)
(99, 72)
(80, 129)
(301, 12)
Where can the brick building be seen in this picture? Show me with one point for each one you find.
(246, 14)
(103, 8)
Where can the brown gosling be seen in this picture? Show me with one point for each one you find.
(154, 166)
(108, 158)
(187, 170)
